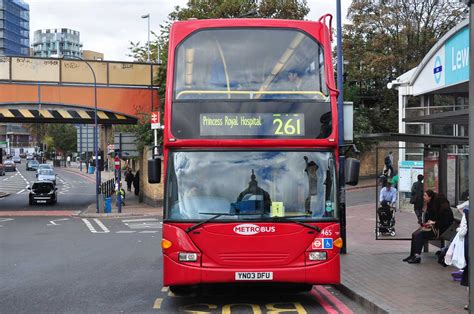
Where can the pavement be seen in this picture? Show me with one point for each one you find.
(132, 206)
(374, 275)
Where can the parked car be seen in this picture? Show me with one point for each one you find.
(16, 159)
(29, 157)
(2, 170)
(43, 192)
(9, 165)
(32, 165)
(46, 175)
(22, 155)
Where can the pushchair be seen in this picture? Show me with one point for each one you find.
(386, 220)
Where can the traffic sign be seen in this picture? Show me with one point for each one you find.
(117, 163)
(155, 120)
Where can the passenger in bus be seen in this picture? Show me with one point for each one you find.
(326, 125)
(295, 80)
(311, 170)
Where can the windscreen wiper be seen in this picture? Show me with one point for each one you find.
(287, 219)
(216, 215)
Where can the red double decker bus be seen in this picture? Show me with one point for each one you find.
(250, 154)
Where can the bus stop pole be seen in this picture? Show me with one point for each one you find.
(470, 3)
(340, 112)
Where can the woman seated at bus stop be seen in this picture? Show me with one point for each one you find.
(438, 217)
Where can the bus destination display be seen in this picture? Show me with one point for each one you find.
(252, 124)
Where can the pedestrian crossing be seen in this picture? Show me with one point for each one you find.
(140, 225)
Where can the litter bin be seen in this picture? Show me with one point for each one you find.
(108, 205)
(91, 170)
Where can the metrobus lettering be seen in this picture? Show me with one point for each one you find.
(249, 229)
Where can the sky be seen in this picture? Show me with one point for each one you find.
(108, 26)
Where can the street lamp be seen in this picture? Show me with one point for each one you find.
(340, 112)
(147, 16)
(155, 131)
(96, 142)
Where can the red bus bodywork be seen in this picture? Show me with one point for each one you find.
(221, 252)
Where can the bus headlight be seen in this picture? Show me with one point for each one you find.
(187, 257)
(318, 256)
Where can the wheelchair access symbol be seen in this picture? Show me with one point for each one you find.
(327, 243)
(321, 243)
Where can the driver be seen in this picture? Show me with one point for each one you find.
(254, 189)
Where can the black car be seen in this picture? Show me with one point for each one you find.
(43, 192)
(32, 165)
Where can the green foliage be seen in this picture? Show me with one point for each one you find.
(64, 137)
(385, 39)
(204, 9)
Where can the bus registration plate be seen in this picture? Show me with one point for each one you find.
(254, 275)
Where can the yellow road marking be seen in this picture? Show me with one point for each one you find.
(227, 309)
(165, 289)
(157, 304)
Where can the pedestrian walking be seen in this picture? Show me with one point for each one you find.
(416, 198)
(388, 161)
(129, 178)
(136, 182)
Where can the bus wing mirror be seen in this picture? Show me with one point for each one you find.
(154, 170)
(352, 171)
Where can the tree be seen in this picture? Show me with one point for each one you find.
(64, 137)
(385, 39)
(206, 9)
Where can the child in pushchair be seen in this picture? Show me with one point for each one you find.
(386, 220)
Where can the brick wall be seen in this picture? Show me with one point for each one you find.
(151, 194)
(368, 159)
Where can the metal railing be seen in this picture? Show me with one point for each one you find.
(107, 188)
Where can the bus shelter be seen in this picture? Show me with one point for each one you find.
(442, 160)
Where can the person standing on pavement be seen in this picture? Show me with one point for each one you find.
(416, 198)
(136, 182)
(129, 178)
(388, 195)
(464, 231)
(439, 218)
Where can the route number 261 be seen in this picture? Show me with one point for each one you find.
(288, 127)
